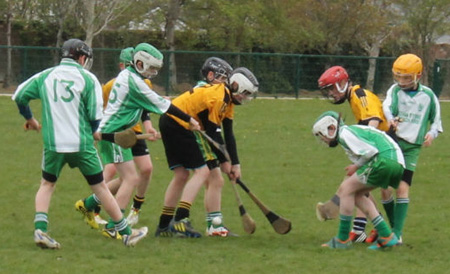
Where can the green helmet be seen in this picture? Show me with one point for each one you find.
(126, 56)
(151, 58)
(325, 120)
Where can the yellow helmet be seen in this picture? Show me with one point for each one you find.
(408, 64)
(407, 71)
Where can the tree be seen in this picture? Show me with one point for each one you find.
(424, 20)
(172, 15)
(374, 32)
(61, 11)
(95, 15)
(225, 25)
(20, 11)
(8, 20)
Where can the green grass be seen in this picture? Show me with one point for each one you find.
(282, 163)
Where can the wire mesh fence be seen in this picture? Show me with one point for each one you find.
(280, 75)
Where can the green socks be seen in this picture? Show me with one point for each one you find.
(122, 227)
(381, 226)
(401, 209)
(41, 221)
(91, 202)
(211, 215)
(389, 208)
(345, 226)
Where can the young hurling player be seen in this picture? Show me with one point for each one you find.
(377, 161)
(130, 95)
(367, 109)
(71, 111)
(215, 71)
(141, 156)
(420, 123)
(213, 106)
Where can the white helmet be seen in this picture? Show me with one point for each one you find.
(246, 84)
(151, 58)
(327, 119)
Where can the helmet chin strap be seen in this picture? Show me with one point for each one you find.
(341, 90)
(333, 143)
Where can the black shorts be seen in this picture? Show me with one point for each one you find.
(212, 164)
(140, 148)
(182, 146)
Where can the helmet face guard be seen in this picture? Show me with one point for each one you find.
(150, 65)
(243, 84)
(221, 75)
(330, 82)
(406, 82)
(88, 62)
(221, 69)
(407, 71)
(326, 128)
(151, 59)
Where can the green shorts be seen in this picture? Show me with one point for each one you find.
(113, 154)
(410, 153)
(381, 172)
(87, 161)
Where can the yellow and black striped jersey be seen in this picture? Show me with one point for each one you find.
(367, 106)
(215, 99)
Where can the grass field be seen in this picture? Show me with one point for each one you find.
(283, 165)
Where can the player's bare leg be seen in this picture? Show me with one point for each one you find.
(213, 201)
(130, 180)
(181, 225)
(145, 168)
(42, 204)
(171, 198)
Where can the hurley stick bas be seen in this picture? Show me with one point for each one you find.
(247, 221)
(126, 138)
(279, 224)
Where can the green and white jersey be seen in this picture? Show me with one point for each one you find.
(128, 97)
(71, 98)
(363, 143)
(417, 109)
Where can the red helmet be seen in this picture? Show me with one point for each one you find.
(333, 76)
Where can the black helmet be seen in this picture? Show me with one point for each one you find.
(73, 48)
(219, 66)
